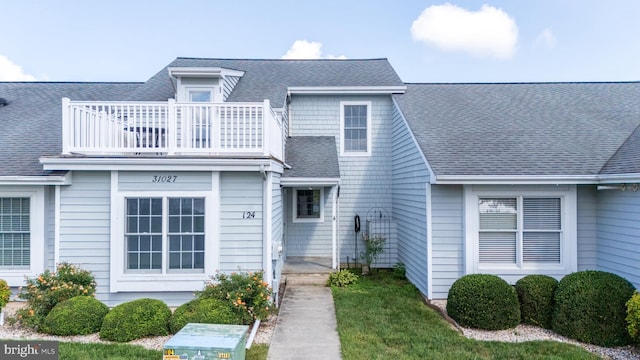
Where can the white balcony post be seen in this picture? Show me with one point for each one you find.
(266, 128)
(172, 127)
(66, 127)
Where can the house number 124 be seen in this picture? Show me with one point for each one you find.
(249, 215)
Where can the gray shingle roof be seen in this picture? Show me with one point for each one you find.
(524, 129)
(31, 124)
(312, 157)
(269, 79)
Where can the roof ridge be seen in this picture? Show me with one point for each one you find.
(263, 59)
(72, 82)
(525, 83)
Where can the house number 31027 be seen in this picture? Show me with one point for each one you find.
(164, 178)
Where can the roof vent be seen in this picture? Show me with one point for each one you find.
(3, 102)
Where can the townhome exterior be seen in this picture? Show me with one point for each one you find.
(241, 165)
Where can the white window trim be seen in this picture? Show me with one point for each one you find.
(123, 281)
(295, 207)
(568, 245)
(214, 89)
(37, 230)
(369, 129)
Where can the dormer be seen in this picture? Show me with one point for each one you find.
(204, 84)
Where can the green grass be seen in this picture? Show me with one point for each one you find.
(384, 318)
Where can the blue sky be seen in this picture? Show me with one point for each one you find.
(426, 41)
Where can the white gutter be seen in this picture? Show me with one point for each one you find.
(36, 180)
(320, 90)
(292, 182)
(514, 179)
(158, 164)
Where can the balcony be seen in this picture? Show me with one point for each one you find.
(170, 128)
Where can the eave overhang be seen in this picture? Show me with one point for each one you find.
(346, 90)
(514, 179)
(300, 181)
(36, 180)
(203, 72)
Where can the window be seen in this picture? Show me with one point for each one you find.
(169, 231)
(355, 121)
(308, 205)
(520, 230)
(200, 95)
(15, 233)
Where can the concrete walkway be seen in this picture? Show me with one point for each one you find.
(306, 326)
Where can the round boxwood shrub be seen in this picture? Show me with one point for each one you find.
(590, 307)
(80, 315)
(535, 293)
(136, 319)
(204, 311)
(483, 301)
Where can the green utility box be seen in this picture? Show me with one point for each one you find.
(207, 342)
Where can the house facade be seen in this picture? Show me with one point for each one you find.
(239, 165)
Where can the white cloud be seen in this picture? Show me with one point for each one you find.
(12, 72)
(546, 38)
(303, 49)
(488, 32)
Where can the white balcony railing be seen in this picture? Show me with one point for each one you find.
(170, 128)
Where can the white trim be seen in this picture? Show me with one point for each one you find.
(334, 228)
(345, 153)
(342, 90)
(267, 228)
(36, 180)
(294, 214)
(202, 72)
(429, 242)
(292, 182)
(158, 163)
(568, 249)
(37, 234)
(121, 281)
(514, 179)
(56, 226)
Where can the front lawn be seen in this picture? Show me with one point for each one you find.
(384, 318)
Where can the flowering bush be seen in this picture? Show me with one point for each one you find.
(633, 317)
(374, 246)
(5, 293)
(248, 295)
(50, 288)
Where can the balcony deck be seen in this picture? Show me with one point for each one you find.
(170, 128)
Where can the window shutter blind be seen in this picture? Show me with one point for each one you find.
(497, 247)
(542, 226)
(498, 225)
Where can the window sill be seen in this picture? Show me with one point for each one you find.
(159, 282)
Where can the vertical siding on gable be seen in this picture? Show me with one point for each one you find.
(228, 85)
(447, 203)
(85, 225)
(365, 181)
(618, 228)
(587, 229)
(241, 239)
(277, 224)
(410, 177)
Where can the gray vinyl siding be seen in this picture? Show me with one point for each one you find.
(85, 226)
(277, 229)
(447, 211)
(618, 226)
(310, 238)
(241, 246)
(587, 228)
(410, 177)
(365, 181)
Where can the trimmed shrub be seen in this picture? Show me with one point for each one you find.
(80, 315)
(342, 278)
(483, 301)
(535, 293)
(5, 293)
(247, 294)
(590, 307)
(136, 319)
(50, 288)
(633, 317)
(203, 311)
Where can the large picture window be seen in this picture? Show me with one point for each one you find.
(15, 233)
(519, 230)
(165, 234)
(355, 121)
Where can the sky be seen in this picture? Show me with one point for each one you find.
(460, 41)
